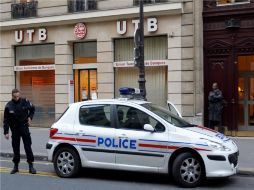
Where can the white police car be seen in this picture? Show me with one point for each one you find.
(136, 135)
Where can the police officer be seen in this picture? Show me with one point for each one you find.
(18, 114)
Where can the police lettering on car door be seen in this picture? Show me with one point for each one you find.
(121, 143)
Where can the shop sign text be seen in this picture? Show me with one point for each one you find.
(34, 68)
(147, 63)
(121, 26)
(20, 35)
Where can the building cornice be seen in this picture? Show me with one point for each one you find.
(95, 16)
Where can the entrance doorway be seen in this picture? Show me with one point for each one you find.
(85, 84)
(246, 93)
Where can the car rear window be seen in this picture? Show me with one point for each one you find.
(62, 114)
(95, 115)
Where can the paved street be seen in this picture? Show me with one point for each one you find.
(91, 179)
(105, 179)
(40, 137)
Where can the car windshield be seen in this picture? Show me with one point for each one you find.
(167, 115)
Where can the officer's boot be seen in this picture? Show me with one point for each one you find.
(31, 168)
(15, 169)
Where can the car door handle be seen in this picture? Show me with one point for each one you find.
(123, 136)
(81, 132)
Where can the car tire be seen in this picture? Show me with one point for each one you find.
(187, 170)
(66, 162)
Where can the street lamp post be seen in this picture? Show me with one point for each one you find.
(139, 51)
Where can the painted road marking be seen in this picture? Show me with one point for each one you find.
(43, 163)
(26, 172)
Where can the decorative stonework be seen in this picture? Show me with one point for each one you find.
(218, 62)
(214, 26)
(245, 50)
(247, 42)
(218, 52)
(220, 25)
(211, 6)
(245, 46)
(218, 47)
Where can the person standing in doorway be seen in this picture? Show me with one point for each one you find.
(215, 99)
(18, 114)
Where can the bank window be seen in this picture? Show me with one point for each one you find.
(85, 53)
(155, 48)
(228, 2)
(95, 115)
(85, 72)
(37, 80)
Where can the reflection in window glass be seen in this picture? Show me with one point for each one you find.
(172, 109)
(251, 89)
(224, 2)
(251, 114)
(95, 115)
(246, 63)
(240, 115)
(241, 88)
(167, 115)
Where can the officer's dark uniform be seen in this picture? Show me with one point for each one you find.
(16, 115)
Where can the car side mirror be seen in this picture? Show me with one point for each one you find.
(148, 127)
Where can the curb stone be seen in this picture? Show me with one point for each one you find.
(241, 171)
(23, 156)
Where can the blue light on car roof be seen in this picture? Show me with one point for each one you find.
(126, 91)
(130, 93)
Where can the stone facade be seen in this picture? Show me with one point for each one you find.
(181, 22)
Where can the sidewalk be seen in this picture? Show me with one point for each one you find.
(40, 137)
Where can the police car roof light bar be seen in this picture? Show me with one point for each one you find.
(130, 93)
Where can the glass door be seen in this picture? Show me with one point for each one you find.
(85, 84)
(246, 101)
(246, 93)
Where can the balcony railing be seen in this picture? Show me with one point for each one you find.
(81, 5)
(24, 10)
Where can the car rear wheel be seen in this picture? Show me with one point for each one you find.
(187, 170)
(66, 162)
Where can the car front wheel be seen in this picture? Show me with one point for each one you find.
(66, 162)
(187, 170)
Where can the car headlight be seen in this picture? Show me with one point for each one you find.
(216, 146)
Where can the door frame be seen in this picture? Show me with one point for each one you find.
(88, 91)
(246, 102)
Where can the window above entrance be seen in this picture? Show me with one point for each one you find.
(246, 63)
(85, 52)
